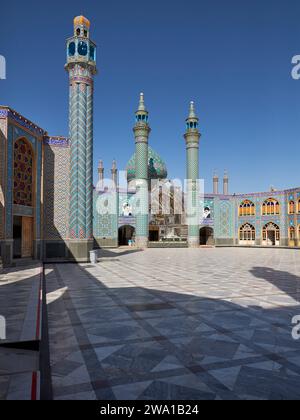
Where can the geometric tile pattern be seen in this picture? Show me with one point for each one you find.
(141, 132)
(57, 191)
(193, 209)
(224, 220)
(105, 224)
(81, 130)
(23, 173)
(176, 324)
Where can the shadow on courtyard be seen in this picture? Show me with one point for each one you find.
(283, 280)
(139, 343)
(108, 253)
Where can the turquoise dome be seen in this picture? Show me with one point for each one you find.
(157, 168)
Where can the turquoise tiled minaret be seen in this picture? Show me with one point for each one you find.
(81, 66)
(192, 137)
(141, 133)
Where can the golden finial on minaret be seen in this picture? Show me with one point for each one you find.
(81, 20)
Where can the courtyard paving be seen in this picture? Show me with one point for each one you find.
(176, 324)
(19, 356)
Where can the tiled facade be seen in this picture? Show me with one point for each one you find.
(56, 187)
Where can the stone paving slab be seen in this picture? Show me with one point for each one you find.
(176, 324)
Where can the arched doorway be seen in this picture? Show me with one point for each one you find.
(247, 234)
(23, 193)
(207, 236)
(126, 234)
(271, 235)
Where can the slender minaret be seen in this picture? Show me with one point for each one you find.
(216, 183)
(226, 183)
(100, 175)
(81, 66)
(114, 174)
(192, 137)
(141, 133)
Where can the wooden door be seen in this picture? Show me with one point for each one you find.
(27, 237)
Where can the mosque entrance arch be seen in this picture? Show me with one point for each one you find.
(271, 235)
(126, 234)
(207, 236)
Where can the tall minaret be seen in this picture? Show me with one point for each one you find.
(192, 137)
(81, 66)
(114, 174)
(226, 183)
(216, 183)
(141, 133)
(100, 184)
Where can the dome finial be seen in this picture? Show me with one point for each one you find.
(192, 110)
(82, 21)
(142, 102)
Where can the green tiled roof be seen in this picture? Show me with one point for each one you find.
(157, 168)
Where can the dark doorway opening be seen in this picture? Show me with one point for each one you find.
(154, 235)
(271, 237)
(207, 236)
(17, 236)
(126, 234)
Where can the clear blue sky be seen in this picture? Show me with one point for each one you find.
(233, 58)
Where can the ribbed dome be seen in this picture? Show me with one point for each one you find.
(157, 168)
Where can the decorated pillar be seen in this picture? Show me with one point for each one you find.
(81, 66)
(192, 137)
(141, 133)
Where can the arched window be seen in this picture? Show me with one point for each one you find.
(270, 207)
(23, 173)
(298, 210)
(247, 233)
(271, 234)
(292, 233)
(247, 208)
(292, 207)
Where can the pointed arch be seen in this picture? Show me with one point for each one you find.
(247, 234)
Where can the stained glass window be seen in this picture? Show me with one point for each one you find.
(23, 173)
(247, 208)
(270, 207)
